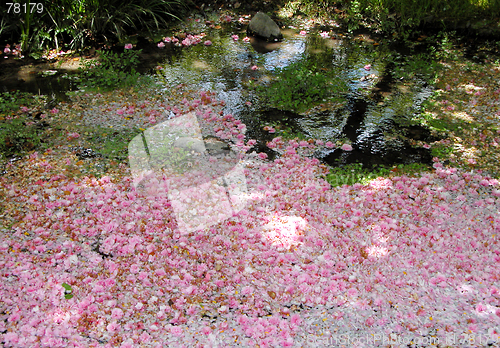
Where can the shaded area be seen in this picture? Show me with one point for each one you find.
(36, 77)
(372, 115)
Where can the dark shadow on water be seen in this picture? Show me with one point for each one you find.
(372, 148)
(374, 151)
(357, 115)
(54, 86)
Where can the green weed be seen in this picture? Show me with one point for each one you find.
(299, 86)
(353, 173)
(111, 71)
(400, 17)
(10, 102)
(420, 65)
(77, 23)
(408, 13)
(110, 143)
(284, 130)
(441, 151)
(17, 136)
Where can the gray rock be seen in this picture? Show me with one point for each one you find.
(264, 27)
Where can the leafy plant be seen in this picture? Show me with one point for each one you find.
(16, 136)
(110, 143)
(353, 173)
(404, 16)
(75, 23)
(442, 151)
(299, 86)
(416, 65)
(284, 130)
(115, 17)
(67, 291)
(11, 101)
(112, 70)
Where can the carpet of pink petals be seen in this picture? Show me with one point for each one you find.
(300, 266)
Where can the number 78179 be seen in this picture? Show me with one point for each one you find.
(31, 7)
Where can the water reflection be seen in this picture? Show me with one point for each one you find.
(361, 119)
(279, 54)
(233, 69)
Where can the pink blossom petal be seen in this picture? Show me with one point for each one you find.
(346, 147)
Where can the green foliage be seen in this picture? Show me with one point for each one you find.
(354, 15)
(10, 102)
(17, 136)
(111, 71)
(298, 87)
(444, 48)
(442, 150)
(110, 143)
(420, 65)
(284, 130)
(400, 15)
(353, 173)
(74, 23)
(67, 291)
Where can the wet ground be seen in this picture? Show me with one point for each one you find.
(39, 77)
(372, 114)
(372, 110)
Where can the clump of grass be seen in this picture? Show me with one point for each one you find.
(353, 173)
(17, 135)
(77, 23)
(416, 65)
(299, 86)
(111, 71)
(112, 144)
(399, 15)
(284, 130)
(10, 102)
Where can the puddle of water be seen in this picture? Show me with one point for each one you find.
(366, 113)
(54, 83)
(368, 119)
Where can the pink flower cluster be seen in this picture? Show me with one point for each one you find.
(298, 255)
(346, 147)
(73, 135)
(16, 51)
(187, 40)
